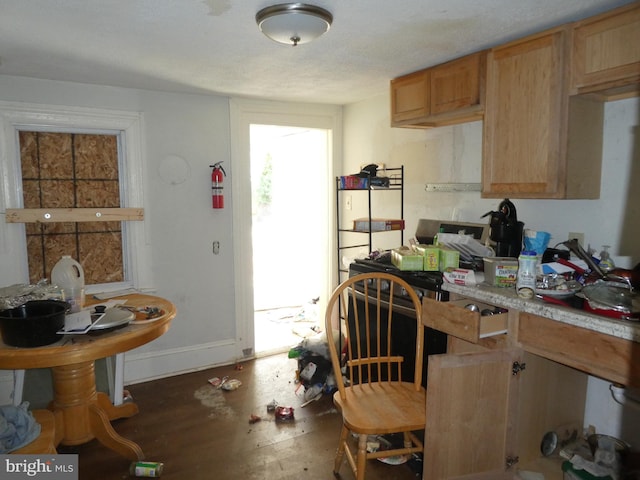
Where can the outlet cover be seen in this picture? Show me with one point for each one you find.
(577, 235)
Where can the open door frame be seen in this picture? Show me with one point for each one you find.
(243, 113)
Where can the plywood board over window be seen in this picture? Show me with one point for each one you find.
(71, 171)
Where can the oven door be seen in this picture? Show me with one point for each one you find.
(403, 336)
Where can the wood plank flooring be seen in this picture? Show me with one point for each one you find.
(200, 432)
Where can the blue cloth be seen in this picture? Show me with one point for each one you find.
(17, 427)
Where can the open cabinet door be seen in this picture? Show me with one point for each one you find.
(470, 398)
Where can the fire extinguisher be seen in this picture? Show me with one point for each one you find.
(217, 175)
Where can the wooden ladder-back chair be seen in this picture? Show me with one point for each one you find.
(373, 399)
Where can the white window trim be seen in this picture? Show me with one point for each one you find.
(36, 117)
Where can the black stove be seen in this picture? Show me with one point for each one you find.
(425, 284)
(426, 280)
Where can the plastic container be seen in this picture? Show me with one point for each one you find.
(68, 275)
(606, 263)
(527, 271)
(500, 271)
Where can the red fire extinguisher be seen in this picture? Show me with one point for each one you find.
(217, 175)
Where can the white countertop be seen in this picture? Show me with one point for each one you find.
(508, 298)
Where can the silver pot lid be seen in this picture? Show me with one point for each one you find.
(612, 296)
(113, 317)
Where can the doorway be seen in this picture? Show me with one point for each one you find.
(287, 233)
(327, 118)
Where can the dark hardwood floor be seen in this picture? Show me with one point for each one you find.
(200, 432)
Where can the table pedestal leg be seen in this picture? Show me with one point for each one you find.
(83, 414)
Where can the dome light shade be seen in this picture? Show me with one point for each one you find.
(293, 23)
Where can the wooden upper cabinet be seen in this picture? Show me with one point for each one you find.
(537, 143)
(459, 85)
(606, 53)
(442, 95)
(410, 97)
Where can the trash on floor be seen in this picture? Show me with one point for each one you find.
(597, 455)
(126, 396)
(232, 384)
(271, 406)
(217, 381)
(146, 469)
(254, 418)
(315, 372)
(284, 413)
(313, 394)
(377, 443)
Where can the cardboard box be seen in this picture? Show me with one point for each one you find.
(449, 258)
(431, 256)
(500, 271)
(377, 225)
(406, 259)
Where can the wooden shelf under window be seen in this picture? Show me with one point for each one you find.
(48, 215)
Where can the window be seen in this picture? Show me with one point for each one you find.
(69, 170)
(76, 159)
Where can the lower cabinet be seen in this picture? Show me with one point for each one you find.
(489, 406)
(468, 397)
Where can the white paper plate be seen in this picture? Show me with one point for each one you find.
(557, 293)
(395, 460)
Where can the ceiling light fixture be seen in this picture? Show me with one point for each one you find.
(293, 23)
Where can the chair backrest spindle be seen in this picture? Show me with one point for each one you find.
(368, 322)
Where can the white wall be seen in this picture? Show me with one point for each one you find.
(180, 223)
(454, 154)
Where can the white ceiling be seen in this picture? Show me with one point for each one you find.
(214, 46)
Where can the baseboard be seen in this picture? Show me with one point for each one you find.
(143, 367)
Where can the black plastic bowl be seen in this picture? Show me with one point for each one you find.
(33, 324)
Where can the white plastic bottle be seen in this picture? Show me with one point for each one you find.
(68, 275)
(527, 270)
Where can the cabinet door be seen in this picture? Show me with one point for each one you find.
(606, 52)
(410, 97)
(457, 85)
(526, 118)
(468, 411)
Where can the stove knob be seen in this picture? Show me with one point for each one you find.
(373, 283)
(418, 291)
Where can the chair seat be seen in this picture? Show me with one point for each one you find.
(45, 443)
(382, 408)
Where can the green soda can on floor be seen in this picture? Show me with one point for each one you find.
(146, 469)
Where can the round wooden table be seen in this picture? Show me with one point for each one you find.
(81, 412)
